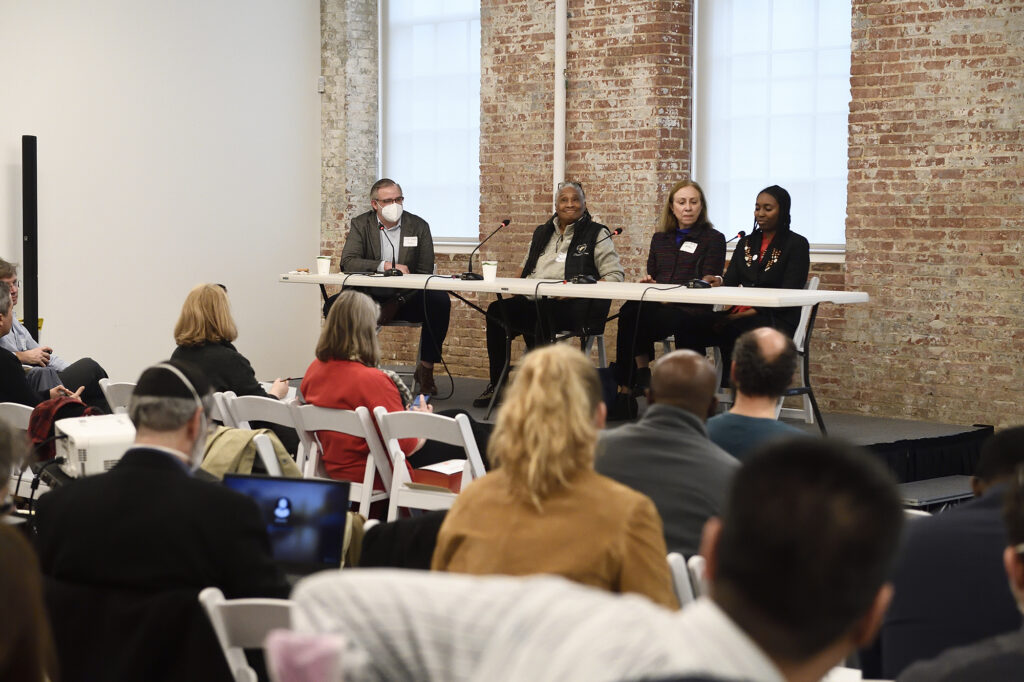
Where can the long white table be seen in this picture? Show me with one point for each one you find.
(627, 291)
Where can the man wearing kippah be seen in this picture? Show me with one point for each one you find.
(126, 552)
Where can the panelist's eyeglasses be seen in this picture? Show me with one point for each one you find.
(388, 202)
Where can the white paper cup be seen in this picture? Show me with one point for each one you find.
(323, 265)
(490, 269)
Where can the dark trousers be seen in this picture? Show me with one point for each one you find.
(576, 315)
(641, 325)
(434, 451)
(435, 320)
(720, 329)
(86, 372)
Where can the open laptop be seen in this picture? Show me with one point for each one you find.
(305, 519)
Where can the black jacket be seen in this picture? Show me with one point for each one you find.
(148, 525)
(785, 265)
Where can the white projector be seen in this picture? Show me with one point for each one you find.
(93, 444)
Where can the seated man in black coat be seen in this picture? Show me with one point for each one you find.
(568, 245)
(144, 538)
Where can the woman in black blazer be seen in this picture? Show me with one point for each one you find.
(771, 256)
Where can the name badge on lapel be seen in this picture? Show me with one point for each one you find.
(410, 242)
(688, 247)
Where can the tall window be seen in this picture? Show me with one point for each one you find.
(772, 102)
(430, 110)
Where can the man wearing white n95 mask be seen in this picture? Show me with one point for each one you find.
(387, 238)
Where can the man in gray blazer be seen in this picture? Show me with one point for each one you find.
(667, 455)
(386, 239)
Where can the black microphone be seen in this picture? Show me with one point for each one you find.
(589, 279)
(469, 274)
(698, 283)
(392, 271)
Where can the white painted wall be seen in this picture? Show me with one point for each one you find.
(179, 142)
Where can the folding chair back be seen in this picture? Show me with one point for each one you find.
(117, 394)
(451, 430)
(310, 419)
(243, 624)
(681, 578)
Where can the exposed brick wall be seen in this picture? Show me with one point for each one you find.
(935, 200)
(348, 48)
(934, 214)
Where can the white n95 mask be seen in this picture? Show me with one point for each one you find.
(391, 212)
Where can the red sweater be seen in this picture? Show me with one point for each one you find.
(345, 385)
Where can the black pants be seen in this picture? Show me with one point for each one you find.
(434, 451)
(576, 315)
(722, 330)
(85, 372)
(641, 325)
(435, 319)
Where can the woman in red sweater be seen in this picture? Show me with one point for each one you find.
(345, 376)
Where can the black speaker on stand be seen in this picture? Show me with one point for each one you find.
(30, 236)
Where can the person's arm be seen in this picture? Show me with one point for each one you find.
(239, 374)
(797, 262)
(714, 257)
(424, 264)
(13, 385)
(644, 561)
(607, 260)
(357, 252)
(732, 274)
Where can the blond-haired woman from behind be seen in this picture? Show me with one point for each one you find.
(544, 509)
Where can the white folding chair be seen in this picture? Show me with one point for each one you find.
(239, 410)
(117, 394)
(265, 449)
(696, 565)
(680, 579)
(243, 624)
(808, 411)
(16, 415)
(451, 430)
(311, 420)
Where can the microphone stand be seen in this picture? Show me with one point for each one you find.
(469, 274)
(698, 283)
(392, 271)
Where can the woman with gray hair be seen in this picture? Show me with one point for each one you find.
(345, 376)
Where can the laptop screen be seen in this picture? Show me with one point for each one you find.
(305, 518)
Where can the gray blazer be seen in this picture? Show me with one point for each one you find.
(362, 247)
(667, 456)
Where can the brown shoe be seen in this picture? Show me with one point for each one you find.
(424, 376)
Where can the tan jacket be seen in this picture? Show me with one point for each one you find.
(596, 532)
(232, 451)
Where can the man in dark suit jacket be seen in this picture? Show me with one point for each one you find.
(667, 454)
(147, 523)
(385, 234)
(950, 587)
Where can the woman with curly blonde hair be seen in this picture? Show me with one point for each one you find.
(544, 509)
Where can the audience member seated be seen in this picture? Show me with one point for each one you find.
(772, 256)
(999, 658)
(345, 376)
(544, 509)
(568, 245)
(125, 553)
(763, 362)
(402, 543)
(26, 645)
(49, 371)
(797, 566)
(204, 333)
(685, 247)
(387, 233)
(14, 386)
(667, 455)
(950, 584)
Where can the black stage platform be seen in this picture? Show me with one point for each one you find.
(913, 450)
